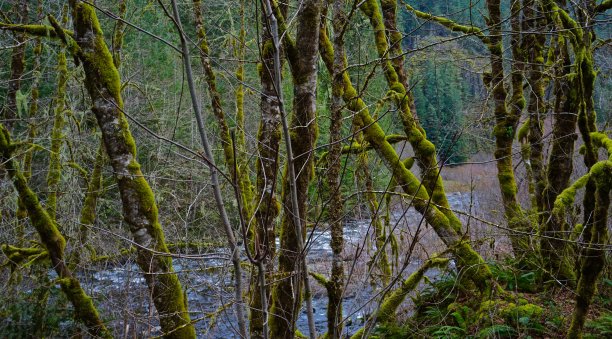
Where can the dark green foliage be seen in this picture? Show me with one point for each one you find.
(432, 302)
(497, 331)
(600, 327)
(514, 279)
(41, 312)
(439, 105)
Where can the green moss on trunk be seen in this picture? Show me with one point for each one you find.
(268, 142)
(286, 295)
(53, 242)
(425, 151)
(139, 208)
(54, 173)
(595, 254)
(392, 301)
(533, 45)
(465, 254)
(335, 286)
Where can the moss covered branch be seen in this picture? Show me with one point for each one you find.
(358, 148)
(392, 301)
(601, 140)
(450, 24)
(35, 30)
(53, 241)
(18, 255)
(54, 173)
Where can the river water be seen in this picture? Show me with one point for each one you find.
(121, 293)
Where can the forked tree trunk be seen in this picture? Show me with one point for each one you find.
(267, 207)
(300, 142)
(425, 150)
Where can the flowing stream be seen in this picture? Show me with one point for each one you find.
(121, 290)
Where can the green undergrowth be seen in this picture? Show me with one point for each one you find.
(42, 312)
(526, 309)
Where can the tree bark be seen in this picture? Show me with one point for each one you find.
(560, 167)
(139, 207)
(54, 174)
(300, 141)
(335, 287)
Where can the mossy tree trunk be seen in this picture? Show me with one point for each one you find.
(88, 214)
(505, 131)
(139, 207)
(246, 186)
(560, 166)
(534, 40)
(517, 103)
(219, 113)
(335, 287)
(300, 140)
(425, 150)
(268, 143)
(54, 174)
(373, 133)
(53, 242)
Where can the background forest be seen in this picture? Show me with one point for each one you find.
(312, 168)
